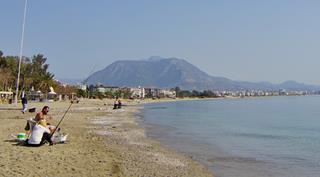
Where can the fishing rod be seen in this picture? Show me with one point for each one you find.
(61, 119)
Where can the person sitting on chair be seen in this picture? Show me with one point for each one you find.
(40, 134)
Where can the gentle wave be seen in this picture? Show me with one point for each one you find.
(277, 137)
(260, 136)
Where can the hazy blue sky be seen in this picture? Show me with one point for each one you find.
(274, 40)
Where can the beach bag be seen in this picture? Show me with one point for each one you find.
(32, 110)
(19, 137)
(59, 137)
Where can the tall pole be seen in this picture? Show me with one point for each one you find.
(21, 48)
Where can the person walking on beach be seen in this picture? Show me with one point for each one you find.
(24, 102)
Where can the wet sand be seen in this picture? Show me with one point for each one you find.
(101, 142)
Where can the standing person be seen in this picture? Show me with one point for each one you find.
(24, 102)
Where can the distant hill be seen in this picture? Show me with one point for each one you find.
(171, 72)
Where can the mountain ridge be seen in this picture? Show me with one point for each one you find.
(174, 72)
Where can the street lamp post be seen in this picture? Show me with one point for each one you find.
(21, 49)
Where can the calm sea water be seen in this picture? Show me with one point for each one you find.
(258, 137)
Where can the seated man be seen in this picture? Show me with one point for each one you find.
(39, 116)
(115, 104)
(119, 104)
(40, 134)
(42, 115)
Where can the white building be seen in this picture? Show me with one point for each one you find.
(82, 87)
(137, 92)
(168, 93)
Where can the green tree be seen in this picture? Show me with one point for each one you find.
(177, 89)
(38, 71)
(117, 93)
(81, 93)
(33, 72)
(3, 63)
(46, 81)
(195, 93)
(5, 74)
(126, 93)
(109, 94)
(185, 93)
(6, 79)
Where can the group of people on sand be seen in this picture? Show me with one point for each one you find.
(39, 130)
(117, 103)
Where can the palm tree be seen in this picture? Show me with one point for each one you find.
(46, 82)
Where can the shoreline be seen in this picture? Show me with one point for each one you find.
(143, 155)
(101, 142)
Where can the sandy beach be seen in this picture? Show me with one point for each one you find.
(101, 142)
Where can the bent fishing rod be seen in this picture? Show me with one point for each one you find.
(61, 120)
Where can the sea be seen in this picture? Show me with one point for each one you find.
(247, 137)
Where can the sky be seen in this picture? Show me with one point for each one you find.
(248, 40)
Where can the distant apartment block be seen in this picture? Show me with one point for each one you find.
(82, 87)
(138, 92)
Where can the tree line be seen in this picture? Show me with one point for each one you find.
(194, 93)
(33, 73)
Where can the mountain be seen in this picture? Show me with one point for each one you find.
(172, 72)
(293, 85)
